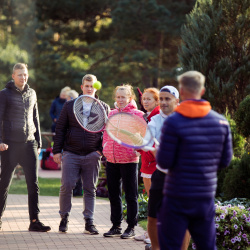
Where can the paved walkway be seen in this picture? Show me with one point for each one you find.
(14, 233)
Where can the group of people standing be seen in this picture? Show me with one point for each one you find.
(179, 176)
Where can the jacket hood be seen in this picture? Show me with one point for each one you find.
(193, 108)
(129, 106)
(11, 85)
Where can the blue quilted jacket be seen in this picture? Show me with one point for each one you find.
(195, 143)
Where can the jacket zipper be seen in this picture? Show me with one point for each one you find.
(119, 110)
(114, 151)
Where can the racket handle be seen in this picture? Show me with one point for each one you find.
(156, 142)
(147, 148)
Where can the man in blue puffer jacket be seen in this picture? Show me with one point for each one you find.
(196, 142)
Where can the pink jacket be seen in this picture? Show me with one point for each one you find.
(113, 151)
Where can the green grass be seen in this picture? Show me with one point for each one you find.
(48, 187)
(143, 224)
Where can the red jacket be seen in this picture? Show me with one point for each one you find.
(148, 162)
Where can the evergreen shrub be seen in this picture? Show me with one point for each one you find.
(238, 140)
(242, 117)
(237, 180)
(222, 174)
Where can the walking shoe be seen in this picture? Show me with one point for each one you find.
(90, 228)
(38, 226)
(63, 227)
(142, 237)
(147, 241)
(148, 247)
(113, 232)
(128, 233)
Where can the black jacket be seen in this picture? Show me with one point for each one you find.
(70, 136)
(19, 119)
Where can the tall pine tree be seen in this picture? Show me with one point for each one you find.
(216, 42)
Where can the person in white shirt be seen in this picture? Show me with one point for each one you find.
(169, 100)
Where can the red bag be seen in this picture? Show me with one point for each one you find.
(47, 161)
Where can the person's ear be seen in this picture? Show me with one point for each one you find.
(203, 91)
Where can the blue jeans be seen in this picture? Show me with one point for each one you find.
(87, 167)
(26, 155)
(126, 174)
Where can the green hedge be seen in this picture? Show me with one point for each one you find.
(237, 179)
(242, 117)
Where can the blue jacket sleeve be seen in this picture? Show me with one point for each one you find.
(52, 110)
(227, 152)
(167, 152)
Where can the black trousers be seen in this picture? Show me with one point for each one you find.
(126, 174)
(26, 155)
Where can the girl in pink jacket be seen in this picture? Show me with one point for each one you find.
(122, 169)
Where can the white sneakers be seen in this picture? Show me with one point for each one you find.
(147, 241)
(144, 237)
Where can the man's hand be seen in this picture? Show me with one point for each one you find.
(3, 147)
(38, 151)
(57, 158)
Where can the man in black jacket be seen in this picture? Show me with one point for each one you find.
(20, 141)
(82, 153)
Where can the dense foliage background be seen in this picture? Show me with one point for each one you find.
(146, 43)
(119, 41)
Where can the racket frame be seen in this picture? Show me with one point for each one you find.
(99, 103)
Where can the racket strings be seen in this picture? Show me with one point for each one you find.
(127, 129)
(89, 114)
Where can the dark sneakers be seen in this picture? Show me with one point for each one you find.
(113, 232)
(38, 226)
(63, 227)
(90, 227)
(128, 233)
